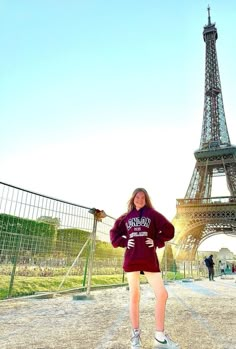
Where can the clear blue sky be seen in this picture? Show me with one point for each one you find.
(100, 97)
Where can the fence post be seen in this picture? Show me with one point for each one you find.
(198, 266)
(165, 259)
(15, 258)
(86, 264)
(98, 215)
(91, 254)
(123, 277)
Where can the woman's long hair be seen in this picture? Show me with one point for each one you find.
(131, 205)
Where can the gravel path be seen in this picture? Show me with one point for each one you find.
(200, 315)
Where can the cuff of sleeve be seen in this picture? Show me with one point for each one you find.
(159, 244)
(124, 241)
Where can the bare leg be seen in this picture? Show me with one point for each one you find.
(156, 282)
(134, 292)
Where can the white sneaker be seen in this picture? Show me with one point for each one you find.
(135, 339)
(167, 343)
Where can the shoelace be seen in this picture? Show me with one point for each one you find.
(136, 335)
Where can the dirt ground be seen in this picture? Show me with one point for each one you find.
(200, 315)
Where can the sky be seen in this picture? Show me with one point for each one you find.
(98, 97)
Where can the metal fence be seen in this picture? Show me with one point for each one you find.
(42, 238)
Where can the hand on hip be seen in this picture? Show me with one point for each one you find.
(130, 243)
(149, 242)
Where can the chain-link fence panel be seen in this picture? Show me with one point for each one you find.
(46, 244)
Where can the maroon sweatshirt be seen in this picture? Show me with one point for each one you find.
(140, 225)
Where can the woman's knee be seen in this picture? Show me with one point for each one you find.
(162, 294)
(135, 296)
(165, 294)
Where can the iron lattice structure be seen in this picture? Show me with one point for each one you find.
(199, 215)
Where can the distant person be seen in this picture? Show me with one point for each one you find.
(222, 268)
(141, 230)
(210, 265)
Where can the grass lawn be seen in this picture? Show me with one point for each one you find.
(26, 285)
(29, 285)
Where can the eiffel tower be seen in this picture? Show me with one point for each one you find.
(199, 215)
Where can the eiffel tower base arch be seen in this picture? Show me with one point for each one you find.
(198, 219)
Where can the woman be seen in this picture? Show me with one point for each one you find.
(141, 230)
